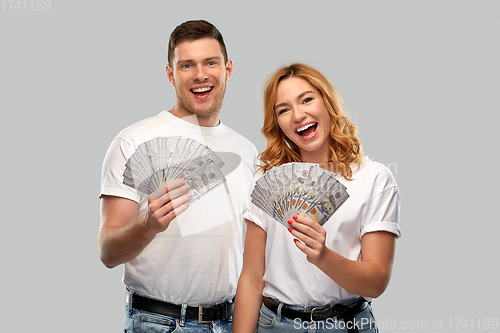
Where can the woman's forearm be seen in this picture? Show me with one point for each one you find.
(247, 305)
(368, 277)
(250, 284)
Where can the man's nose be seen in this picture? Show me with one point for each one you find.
(200, 74)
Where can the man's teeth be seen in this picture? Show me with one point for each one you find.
(303, 128)
(199, 90)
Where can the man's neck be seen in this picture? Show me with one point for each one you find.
(210, 120)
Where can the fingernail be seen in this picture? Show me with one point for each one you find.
(290, 229)
(290, 222)
(295, 217)
(295, 240)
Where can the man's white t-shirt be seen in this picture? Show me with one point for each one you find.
(198, 259)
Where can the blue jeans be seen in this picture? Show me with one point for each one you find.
(274, 322)
(138, 321)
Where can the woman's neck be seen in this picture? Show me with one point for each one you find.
(322, 160)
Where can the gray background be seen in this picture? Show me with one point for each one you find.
(419, 78)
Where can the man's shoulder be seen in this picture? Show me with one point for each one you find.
(140, 130)
(239, 138)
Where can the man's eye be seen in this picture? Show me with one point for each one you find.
(212, 63)
(186, 66)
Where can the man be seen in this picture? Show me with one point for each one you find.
(180, 255)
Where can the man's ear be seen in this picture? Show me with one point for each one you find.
(229, 69)
(170, 75)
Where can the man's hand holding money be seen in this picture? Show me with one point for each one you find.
(166, 203)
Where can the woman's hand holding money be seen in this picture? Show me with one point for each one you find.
(309, 237)
(166, 203)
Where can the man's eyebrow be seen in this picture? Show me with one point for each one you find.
(213, 58)
(183, 61)
(207, 59)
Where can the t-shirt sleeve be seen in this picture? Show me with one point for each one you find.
(113, 168)
(254, 213)
(383, 213)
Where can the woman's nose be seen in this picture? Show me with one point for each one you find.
(298, 114)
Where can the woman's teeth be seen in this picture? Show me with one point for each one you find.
(304, 128)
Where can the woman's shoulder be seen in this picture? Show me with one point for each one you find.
(375, 172)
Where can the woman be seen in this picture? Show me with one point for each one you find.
(312, 276)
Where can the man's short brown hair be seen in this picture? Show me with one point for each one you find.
(193, 30)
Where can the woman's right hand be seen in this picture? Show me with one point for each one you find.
(310, 237)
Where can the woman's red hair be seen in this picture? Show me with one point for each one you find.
(345, 147)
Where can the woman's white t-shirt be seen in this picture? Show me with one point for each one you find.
(373, 205)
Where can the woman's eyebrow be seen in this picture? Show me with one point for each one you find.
(304, 93)
(280, 105)
(298, 98)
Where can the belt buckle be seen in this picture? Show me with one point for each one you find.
(314, 309)
(200, 314)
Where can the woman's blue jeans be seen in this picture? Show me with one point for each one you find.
(274, 322)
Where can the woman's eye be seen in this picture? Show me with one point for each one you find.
(282, 111)
(307, 100)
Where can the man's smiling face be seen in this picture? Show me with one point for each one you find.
(199, 76)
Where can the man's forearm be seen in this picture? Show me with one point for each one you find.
(119, 244)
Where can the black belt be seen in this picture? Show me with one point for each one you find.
(203, 313)
(321, 313)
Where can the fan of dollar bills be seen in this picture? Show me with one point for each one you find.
(299, 188)
(162, 159)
